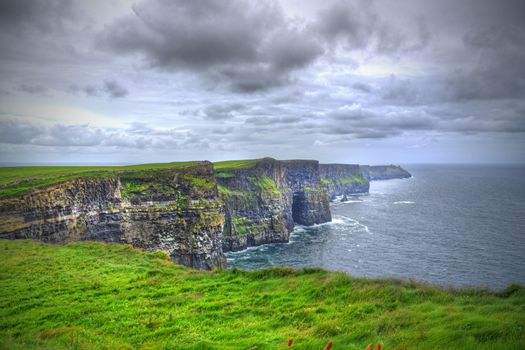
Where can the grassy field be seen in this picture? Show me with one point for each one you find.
(16, 181)
(109, 296)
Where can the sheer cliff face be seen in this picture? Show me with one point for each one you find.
(263, 201)
(384, 172)
(174, 210)
(343, 179)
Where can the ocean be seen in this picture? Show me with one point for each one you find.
(450, 225)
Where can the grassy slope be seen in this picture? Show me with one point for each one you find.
(94, 295)
(16, 181)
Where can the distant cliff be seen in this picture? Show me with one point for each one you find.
(264, 198)
(194, 211)
(176, 210)
(343, 179)
(384, 172)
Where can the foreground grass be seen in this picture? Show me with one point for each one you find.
(109, 296)
(16, 181)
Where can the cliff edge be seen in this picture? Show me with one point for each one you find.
(264, 198)
(384, 172)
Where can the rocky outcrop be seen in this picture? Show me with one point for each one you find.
(343, 179)
(384, 172)
(264, 200)
(174, 210)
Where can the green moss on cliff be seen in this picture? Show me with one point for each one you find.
(266, 184)
(326, 182)
(110, 296)
(241, 225)
(223, 190)
(224, 175)
(204, 183)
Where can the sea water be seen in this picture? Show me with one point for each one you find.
(452, 225)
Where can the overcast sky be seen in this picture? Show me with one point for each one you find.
(370, 82)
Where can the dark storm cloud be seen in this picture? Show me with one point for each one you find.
(358, 25)
(42, 15)
(500, 70)
(34, 30)
(249, 44)
(494, 35)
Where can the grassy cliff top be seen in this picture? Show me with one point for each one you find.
(237, 164)
(111, 296)
(16, 181)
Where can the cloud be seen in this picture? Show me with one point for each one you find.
(493, 38)
(223, 111)
(88, 89)
(363, 87)
(249, 45)
(32, 89)
(263, 120)
(137, 136)
(358, 26)
(49, 15)
(399, 91)
(114, 89)
(109, 88)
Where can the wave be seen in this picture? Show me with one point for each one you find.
(341, 220)
(351, 198)
(404, 202)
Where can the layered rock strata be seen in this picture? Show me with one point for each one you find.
(174, 210)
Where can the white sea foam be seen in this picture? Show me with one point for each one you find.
(404, 202)
(340, 220)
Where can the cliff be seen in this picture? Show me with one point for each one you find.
(265, 198)
(176, 210)
(193, 211)
(343, 179)
(384, 172)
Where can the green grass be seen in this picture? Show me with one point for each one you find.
(110, 296)
(17, 181)
(349, 180)
(236, 164)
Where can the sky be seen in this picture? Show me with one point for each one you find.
(370, 82)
